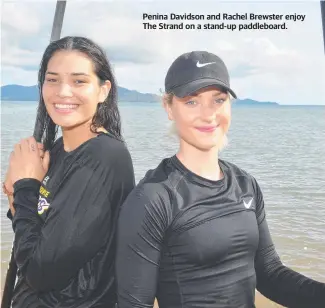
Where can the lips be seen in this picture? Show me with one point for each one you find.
(207, 129)
(65, 107)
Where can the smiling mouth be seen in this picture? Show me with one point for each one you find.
(65, 106)
(207, 129)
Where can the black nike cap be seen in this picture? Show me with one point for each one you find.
(196, 70)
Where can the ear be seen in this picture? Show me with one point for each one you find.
(169, 111)
(104, 91)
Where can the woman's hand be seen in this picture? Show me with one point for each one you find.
(26, 162)
(7, 184)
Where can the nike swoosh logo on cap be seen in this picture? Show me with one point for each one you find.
(198, 64)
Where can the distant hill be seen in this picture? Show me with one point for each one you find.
(25, 93)
(251, 102)
(30, 93)
(19, 93)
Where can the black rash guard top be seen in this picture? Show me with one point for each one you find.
(193, 242)
(65, 226)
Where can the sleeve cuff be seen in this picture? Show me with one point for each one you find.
(30, 184)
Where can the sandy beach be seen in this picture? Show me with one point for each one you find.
(262, 302)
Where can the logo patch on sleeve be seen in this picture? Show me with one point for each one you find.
(42, 206)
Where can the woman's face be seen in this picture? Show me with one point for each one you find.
(203, 119)
(71, 89)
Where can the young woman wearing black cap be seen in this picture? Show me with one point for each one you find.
(193, 233)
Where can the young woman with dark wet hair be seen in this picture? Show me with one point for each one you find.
(67, 192)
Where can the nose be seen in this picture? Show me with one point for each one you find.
(64, 90)
(209, 112)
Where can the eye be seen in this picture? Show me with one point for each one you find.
(220, 100)
(51, 80)
(79, 81)
(190, 103)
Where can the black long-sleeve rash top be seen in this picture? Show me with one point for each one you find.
(192, 242)
(65, 227)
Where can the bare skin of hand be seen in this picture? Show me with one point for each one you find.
(28, 160)
(8, 182)
(25, 161)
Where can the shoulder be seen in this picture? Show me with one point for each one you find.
(156, 189)
(150, 201)
(105, 146)
(105, 150)
(161, 180)
(242, 176)
(235, 170)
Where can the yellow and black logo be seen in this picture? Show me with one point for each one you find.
(43, 204)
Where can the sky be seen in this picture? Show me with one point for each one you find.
(283, 66)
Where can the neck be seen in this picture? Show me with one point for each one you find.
(74, 137)
(202, 163)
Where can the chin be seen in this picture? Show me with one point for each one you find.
(64, 122)
(67, 124)
(69, 121)
(205, 147)
(210, 143)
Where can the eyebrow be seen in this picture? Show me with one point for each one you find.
(214, 94)
(219, 93)
(73, 74)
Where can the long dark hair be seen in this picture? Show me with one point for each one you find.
(107, 114)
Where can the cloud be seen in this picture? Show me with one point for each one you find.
(25, 34)
(20, 21)
(267, 65)
(21, 58)
(15, 75)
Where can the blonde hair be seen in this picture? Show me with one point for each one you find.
(167, 98)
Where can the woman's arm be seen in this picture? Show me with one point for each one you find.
(80, 221)
(278, 282)
(141, 226)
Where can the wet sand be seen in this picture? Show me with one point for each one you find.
(262, 302)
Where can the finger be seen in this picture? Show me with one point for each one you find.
(11, 156)
(40, 146)
(17, 149)
(33, 145)
(41, 153)
(15, 155)
(7, 176)
(24, 145)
